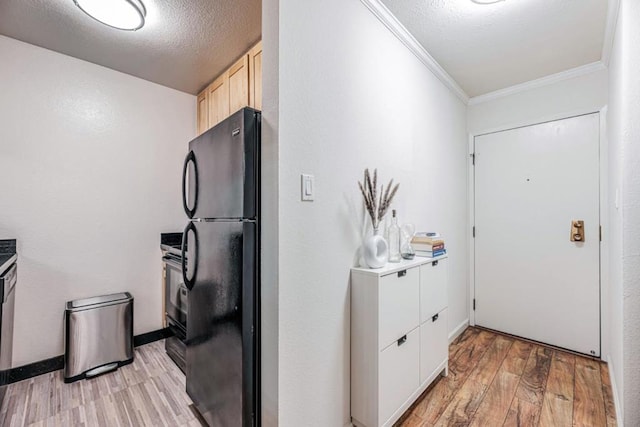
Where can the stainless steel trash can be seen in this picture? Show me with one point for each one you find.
(98, 335)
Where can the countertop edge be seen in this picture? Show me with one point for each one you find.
(391, 268)
(8, 263)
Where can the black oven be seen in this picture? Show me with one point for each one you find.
(176, 300)
(176, 306)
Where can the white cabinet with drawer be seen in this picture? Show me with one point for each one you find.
(399, 368)
(433, 344)
(433, 288)
(398, 337)
(399, 299)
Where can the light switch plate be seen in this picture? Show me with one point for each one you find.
(306, 187)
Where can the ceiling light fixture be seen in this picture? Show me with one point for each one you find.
(120, 14)
(486, 1)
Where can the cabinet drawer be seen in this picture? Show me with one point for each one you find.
(399, 311)
(433, 288)
(433, 344)
(399, 372)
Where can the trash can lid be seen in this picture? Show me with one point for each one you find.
(100, 300)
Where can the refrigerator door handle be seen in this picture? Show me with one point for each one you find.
(189, 283)
(191, 158)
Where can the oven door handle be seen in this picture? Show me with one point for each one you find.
(172, 261)
(190, 282)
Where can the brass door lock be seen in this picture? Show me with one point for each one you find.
(577, 231)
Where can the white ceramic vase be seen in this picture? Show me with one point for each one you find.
(375, 250)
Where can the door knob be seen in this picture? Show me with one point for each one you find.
(577, 231)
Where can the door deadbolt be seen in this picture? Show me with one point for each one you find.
(577, 231)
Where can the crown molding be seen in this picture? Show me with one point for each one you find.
(610, 31)
(537, 83)
(385, 16)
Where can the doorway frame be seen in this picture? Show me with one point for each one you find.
(603, 211)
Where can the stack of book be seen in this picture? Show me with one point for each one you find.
(428, 244)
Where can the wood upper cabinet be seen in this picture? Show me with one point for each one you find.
(255, 76)
(240, 86)
(218, 97)
(203, 113)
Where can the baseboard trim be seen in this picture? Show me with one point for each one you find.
(458, 330)
(56, 363)
(32, 370)
(152, 336)
(614, 388)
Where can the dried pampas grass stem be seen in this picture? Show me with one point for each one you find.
(377, 207)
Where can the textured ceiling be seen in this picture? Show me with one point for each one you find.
(184, 44)
(490, 47)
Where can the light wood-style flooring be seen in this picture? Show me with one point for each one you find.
(148, 392)
(496, 380)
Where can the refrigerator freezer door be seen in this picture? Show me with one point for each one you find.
(220, 324)
(220, 174)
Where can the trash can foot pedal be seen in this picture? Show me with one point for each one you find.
(102, 370)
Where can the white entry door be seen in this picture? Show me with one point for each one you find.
(531, 280)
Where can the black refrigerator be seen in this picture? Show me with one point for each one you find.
(221, 197)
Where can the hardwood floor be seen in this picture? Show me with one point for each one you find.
(496, 380)
(148, 392)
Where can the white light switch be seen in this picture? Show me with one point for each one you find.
(307, 187)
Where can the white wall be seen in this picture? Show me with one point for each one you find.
(352, 96)
(625, 133)
(630, 13)
(577, 95)
(90, 168)
(615, 113)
